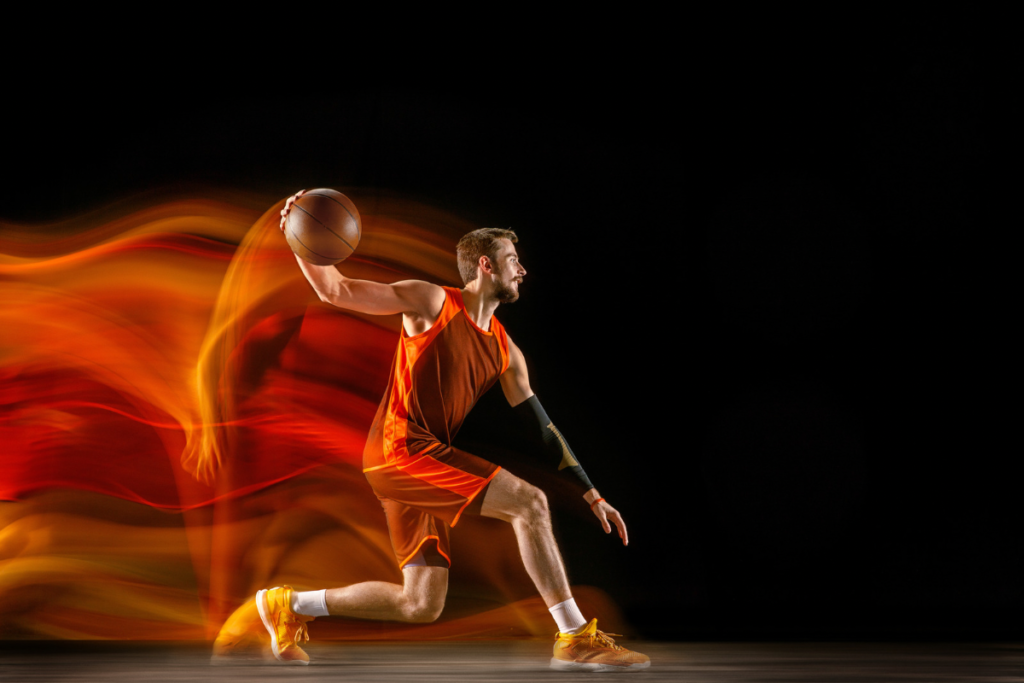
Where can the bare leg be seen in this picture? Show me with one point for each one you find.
(420, 599)
(526, 507)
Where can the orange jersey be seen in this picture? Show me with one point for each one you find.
(436, 378)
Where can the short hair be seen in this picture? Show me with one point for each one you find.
(482, 242)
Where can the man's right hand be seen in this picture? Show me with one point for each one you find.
(288, 207)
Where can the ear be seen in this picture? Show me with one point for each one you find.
(485, 265)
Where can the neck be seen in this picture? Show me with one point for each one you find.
(479, 306)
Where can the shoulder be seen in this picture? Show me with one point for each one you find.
(515, 378)
(423, 298)
(513, 349)
(422, 303)
(418, 288)
(454, 295)
(514, 359)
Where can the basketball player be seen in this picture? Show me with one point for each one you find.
(451, 350)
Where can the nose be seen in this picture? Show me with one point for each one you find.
(522, 271)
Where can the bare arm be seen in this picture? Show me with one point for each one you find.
(515, 383)
(414, 298)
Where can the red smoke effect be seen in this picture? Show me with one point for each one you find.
(182, 423)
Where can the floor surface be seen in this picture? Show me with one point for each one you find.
(455, 662)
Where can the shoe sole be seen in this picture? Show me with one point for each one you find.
(264, 610)
(227, 655)
(562, 665)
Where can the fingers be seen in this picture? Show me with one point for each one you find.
(617, 519)
(288, 207)
(606, 512)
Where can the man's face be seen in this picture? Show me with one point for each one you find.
(508, 272)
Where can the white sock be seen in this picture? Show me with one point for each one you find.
(310, 603)
(568, 616)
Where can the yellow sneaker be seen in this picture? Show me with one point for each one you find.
(286, 628)
(593, 650)
(241, 636)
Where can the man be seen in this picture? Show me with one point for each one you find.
(451, 350)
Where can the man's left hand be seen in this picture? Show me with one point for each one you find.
(608, 516)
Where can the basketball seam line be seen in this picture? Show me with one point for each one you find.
(325, 227)
(327, 196)
(296, 238)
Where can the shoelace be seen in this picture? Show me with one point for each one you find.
(301, 632)
(606, 639)
(602, 638)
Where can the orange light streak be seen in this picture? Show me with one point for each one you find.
(182, 422)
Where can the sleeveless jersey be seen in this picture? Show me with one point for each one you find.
(437, 376)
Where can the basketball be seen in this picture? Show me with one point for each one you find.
(322, 226)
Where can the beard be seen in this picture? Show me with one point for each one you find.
(505, 293)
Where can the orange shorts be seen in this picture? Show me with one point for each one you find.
(427, 495)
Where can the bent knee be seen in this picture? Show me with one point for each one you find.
(533, 504)
(424, 611)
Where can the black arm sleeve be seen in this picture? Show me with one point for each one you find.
(540, 426)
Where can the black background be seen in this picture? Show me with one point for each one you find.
(762, 300)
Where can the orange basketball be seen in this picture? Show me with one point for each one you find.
(323, 227)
